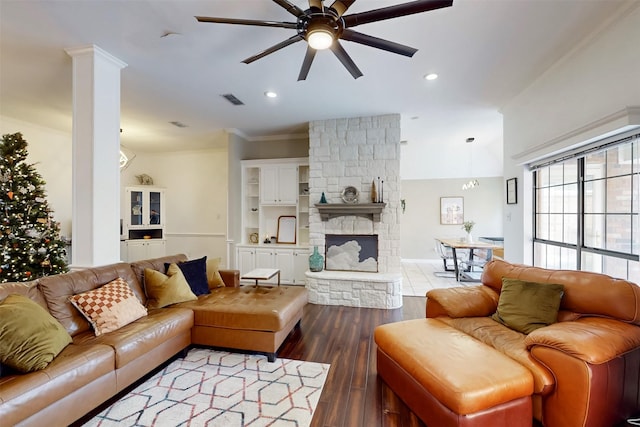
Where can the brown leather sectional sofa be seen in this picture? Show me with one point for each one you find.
(93, 369)
(459, 367)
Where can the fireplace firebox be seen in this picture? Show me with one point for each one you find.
(352, 252)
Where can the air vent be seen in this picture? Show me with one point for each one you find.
(178, 124)
(232, 99)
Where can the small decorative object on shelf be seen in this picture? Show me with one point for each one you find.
(144, 179)
(323, 198)
(350, 194)
(316, 261)
(403, 204)
(374, 193)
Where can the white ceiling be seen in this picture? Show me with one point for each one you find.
(485, 51)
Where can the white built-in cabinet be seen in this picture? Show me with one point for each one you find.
(279, 185)
(143, 221)
(271, 189)
(145, 249)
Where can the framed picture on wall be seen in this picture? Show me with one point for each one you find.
(512, 191)
(451, 210)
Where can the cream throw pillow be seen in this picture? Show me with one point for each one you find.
(109, 307)
(163, 290)
(213, 275)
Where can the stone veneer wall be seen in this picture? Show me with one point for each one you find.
(355, 151)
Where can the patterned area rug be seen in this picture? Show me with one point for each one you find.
(215, 388)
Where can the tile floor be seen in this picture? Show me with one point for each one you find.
(419, 276)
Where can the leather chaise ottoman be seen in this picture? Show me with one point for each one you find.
(440, 385)
(247, 318)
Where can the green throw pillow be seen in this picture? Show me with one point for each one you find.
(163, 290)
(30, 338)
(527, 306)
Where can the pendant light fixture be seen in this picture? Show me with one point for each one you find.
(473, 183)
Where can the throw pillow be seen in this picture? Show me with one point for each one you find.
(527, 306)
(195, 271)
(30, 337)
(163, 290)
(109, 307)
(213, 275)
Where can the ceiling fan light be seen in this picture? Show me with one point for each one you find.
(320, 39)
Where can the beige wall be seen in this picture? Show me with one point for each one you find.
(420, 223)
(196, 186)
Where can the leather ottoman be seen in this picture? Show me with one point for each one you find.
(430, 366)
(247, 318)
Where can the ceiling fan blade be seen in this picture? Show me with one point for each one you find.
(274, 48)
(291, 8)
(341, 6)
(389, 46)
(346, 60)
(306, 64)
(246, 22)
(316, 4)
(394, 11)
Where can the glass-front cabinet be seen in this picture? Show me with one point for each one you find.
(144, 219)
(145, 207)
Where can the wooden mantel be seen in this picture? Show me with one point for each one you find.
(367, 210)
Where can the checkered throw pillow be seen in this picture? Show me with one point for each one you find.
(109, 307)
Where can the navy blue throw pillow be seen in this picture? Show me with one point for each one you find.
(195, 271)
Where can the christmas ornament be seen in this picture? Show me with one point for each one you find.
(10, 194)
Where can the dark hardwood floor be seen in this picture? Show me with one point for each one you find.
(343, 337)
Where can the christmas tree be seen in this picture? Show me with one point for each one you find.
(30, 243)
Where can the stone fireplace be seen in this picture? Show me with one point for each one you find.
(356, 152)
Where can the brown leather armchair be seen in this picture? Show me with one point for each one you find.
(590, 358)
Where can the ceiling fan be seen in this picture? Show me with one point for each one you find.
(322, 27)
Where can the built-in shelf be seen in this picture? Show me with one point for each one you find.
(368, 210)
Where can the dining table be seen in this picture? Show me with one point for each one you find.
(462, 243)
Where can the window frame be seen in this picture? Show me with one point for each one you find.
(543, 184)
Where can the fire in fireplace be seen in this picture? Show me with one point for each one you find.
(352, 252)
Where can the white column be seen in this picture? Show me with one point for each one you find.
(96, 147)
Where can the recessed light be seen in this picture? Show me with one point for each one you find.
(270, 94)
(431, 76)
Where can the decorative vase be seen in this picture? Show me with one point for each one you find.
(469, 238)
(374, 192)
(316, 261)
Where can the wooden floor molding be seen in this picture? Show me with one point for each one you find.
(343, 336)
